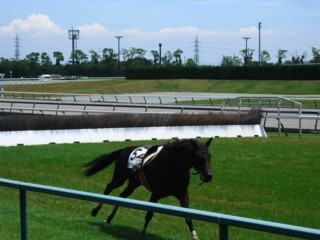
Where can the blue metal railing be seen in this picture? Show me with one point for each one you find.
(224, 221)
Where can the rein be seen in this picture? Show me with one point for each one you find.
(196, 173)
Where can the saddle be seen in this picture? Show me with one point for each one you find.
(142, 156)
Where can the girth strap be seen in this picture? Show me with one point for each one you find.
(143, 179)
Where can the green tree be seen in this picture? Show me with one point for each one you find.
(315, 55)
(190, 63)
(265, 57)
(45, 59)
(282, 54)
(167, 58)
(247, 55)
(229, 61)
(156, 56)
(108, 55)
(33, 57)
(79, 56)
(95, 57)
(177, 55)
(59, 57)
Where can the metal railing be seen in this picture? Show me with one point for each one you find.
(224, 221)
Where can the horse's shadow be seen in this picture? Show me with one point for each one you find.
(124, 232)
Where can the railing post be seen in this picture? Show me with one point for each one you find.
(300, 122)
(223, 232)
(279, 120)
(23, 215)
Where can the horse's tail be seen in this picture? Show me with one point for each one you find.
(100, 163)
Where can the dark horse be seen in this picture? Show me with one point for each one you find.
(167, 175)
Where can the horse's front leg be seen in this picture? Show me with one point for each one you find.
(132, 185)
(184, 202)
(149, 215)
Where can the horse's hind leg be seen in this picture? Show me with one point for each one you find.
(132, 185)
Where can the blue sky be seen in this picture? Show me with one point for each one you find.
(219, 24)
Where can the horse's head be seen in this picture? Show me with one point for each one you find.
(201, 161)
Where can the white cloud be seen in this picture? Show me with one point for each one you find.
(37, 24)
(248, 31)
(253, 31)
(93, 29)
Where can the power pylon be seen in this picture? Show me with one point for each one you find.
(17, 47)
(196, 51)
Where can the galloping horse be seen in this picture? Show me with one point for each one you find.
(166, 174)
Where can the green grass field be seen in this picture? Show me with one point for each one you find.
(142, 86)
(275, 179)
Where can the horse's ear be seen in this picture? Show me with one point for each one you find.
(209, 142)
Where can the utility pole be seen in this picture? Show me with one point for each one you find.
(119, 37)
(259, 27)
(74, 36)
(160, 45)
(246, 56)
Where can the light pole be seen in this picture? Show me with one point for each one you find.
(74, 36)
(246, 56)
(119, 37)
(2, 84)
(259, 27)
(160, 45)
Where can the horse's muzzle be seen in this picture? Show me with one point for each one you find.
(206, 177)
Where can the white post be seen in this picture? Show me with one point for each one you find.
(2, 84)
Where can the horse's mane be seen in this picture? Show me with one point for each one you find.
(179, 145)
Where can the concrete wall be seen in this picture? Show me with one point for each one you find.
(13, 138)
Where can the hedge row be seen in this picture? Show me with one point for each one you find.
(264, 72)
(11, 122)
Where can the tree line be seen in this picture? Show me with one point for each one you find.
(282, 58)
(106, 63)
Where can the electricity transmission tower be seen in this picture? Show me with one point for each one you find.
(196, 51)
(17, 47)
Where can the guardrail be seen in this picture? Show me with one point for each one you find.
(116, 98)
(92, 107)
(223, 220)
(242, 101)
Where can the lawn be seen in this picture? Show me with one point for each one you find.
(275, 179)
(183, 85)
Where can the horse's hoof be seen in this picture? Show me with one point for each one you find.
(108, 220)
(94, 212)
(143, 234)
(194, 235)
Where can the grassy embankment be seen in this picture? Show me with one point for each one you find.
(142, 86)
(274, 179)
(118, 86)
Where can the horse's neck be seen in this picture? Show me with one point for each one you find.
(182, 159)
